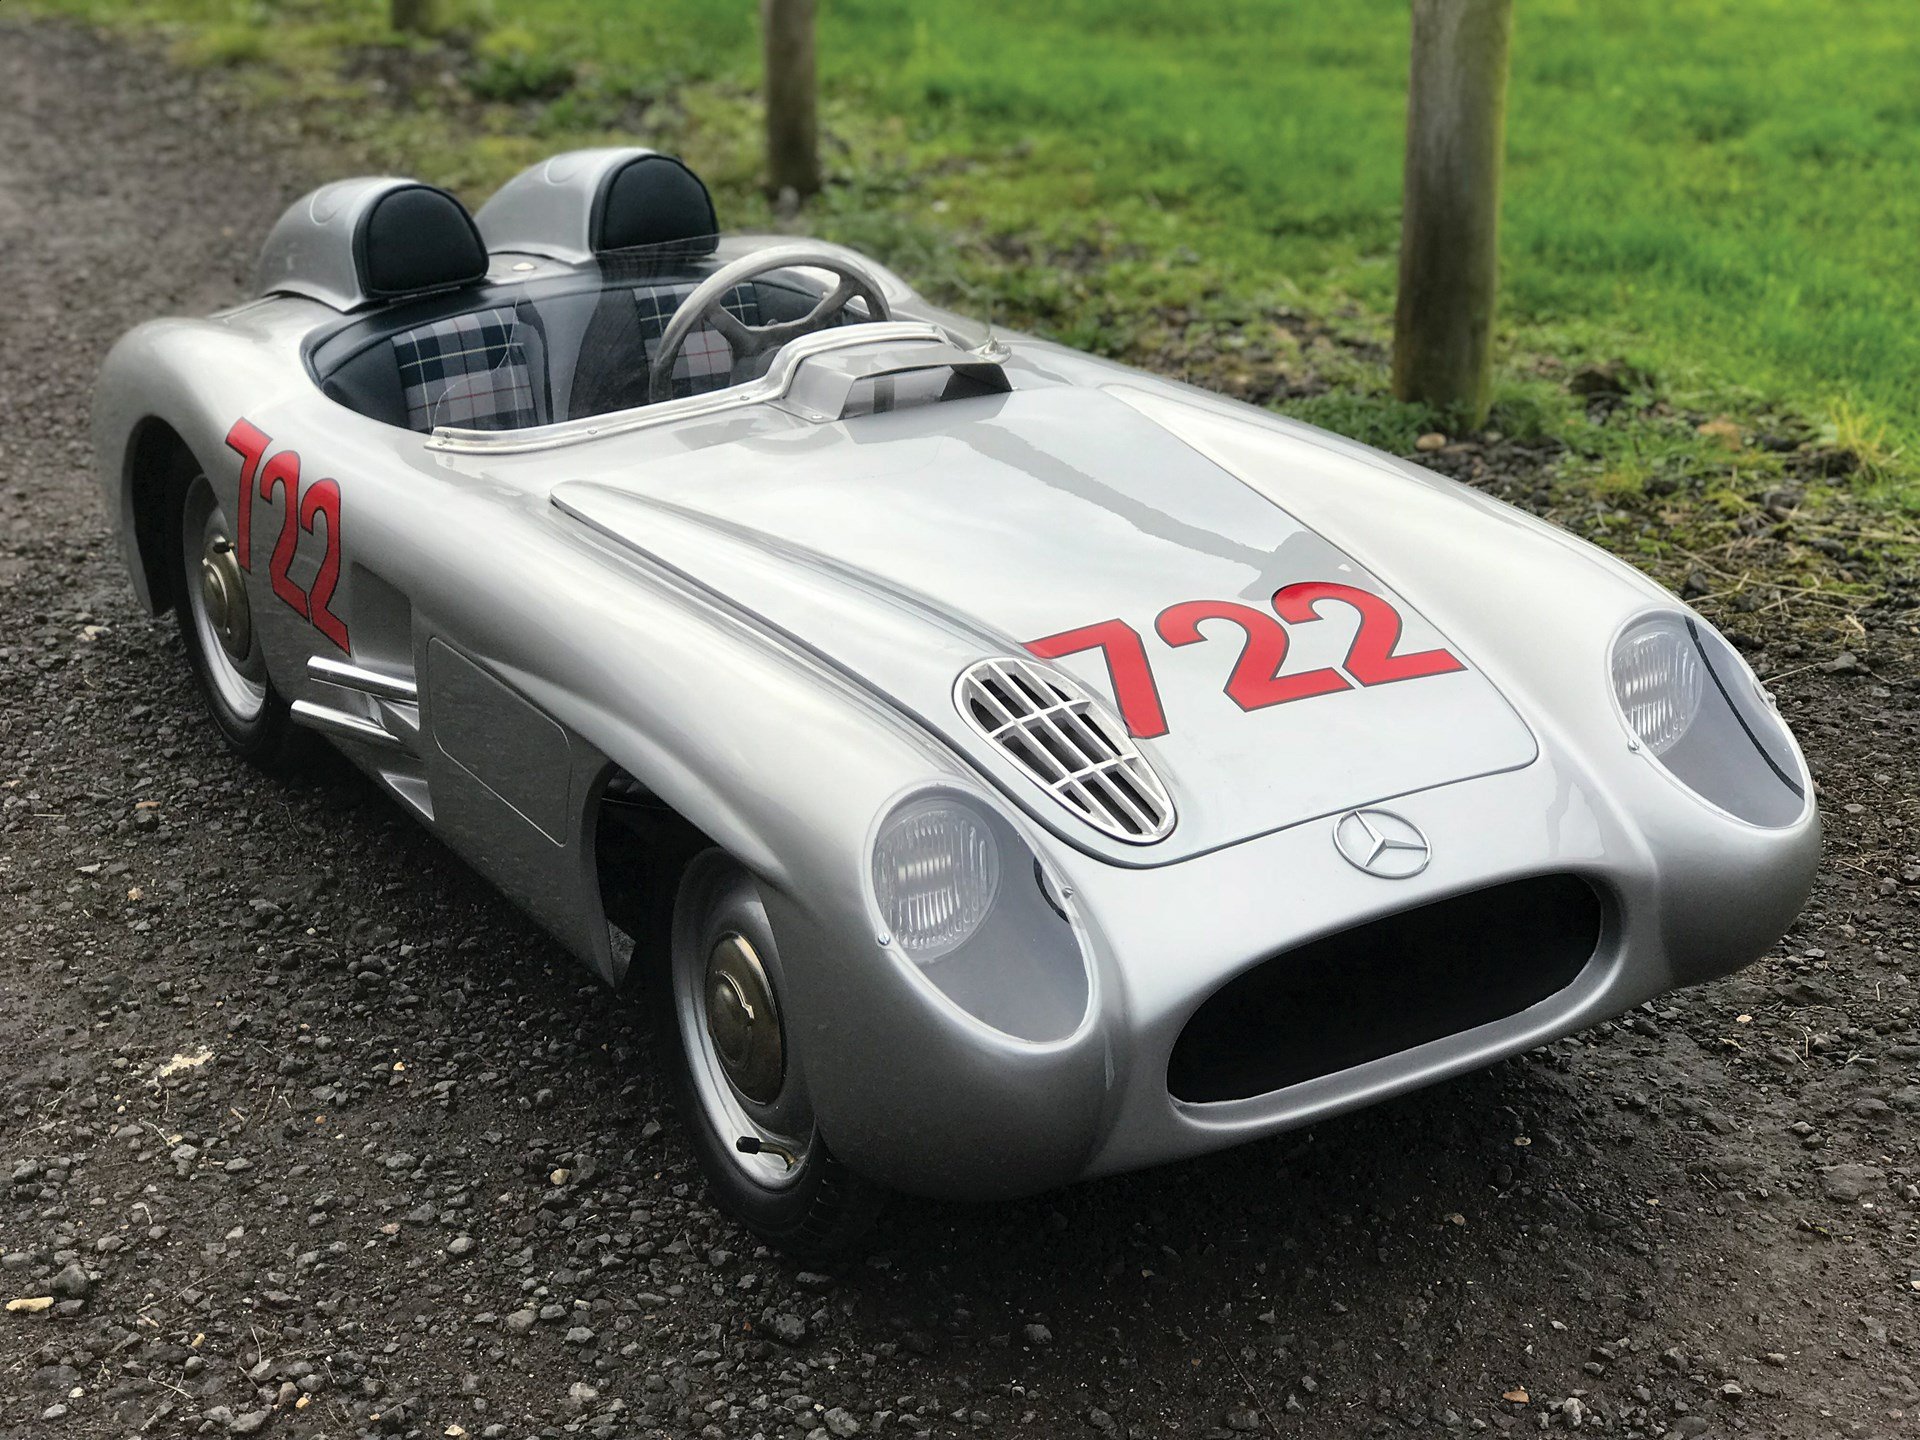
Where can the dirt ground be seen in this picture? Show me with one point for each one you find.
(302, 1130)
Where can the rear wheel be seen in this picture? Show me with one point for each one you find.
(743, 1094)
(215, 615)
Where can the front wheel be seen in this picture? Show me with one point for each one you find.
(739, 1082)
(215, 615)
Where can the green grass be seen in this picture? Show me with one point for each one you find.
(1724, 195)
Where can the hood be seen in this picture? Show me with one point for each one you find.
(902, 547)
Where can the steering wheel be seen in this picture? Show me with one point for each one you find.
(706, 306)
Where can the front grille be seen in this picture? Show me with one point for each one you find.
(1387, 986)
(1067, 741)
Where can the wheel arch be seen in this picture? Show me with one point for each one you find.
(704, 730)
(161, 393)
(154, 449)
(640, 847)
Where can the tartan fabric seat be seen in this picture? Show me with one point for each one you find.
(705, 363)
(468, 371)
(540, 361)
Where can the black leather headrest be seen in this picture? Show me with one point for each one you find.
(652, 200)
(416, 239)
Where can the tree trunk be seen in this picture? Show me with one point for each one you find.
(415, 17)
(793, 131)
(1456, 136)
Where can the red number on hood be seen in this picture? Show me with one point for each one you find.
(1370, 659)
(1256, 681)
(1121, 647)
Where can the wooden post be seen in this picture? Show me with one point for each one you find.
(1450, 223)
(793, 131)
(414, 17)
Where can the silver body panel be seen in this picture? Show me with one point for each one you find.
(310, 251)
(547, 209)
(759, 614)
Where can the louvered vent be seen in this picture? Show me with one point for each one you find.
(1070, 743)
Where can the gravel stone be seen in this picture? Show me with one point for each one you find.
(1852, 1182)
(72, 1282)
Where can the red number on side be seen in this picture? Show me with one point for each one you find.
(322, 500)
(251, 442)
(1256, 681)
(1370, 659)
(282, 472)
(1126, 656)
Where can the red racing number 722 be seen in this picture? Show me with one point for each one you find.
(317, 503)
(1255, 681)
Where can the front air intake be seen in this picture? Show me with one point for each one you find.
(1068, 742)
(1386, 986)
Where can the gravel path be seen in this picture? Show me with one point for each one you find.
(302, 1130)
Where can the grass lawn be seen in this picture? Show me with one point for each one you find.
(1718, 200)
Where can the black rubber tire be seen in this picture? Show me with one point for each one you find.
(269, 740)
(827, 1208)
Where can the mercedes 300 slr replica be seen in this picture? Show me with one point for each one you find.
(1006, 766)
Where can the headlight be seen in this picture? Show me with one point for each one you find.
(936, 871)
(958, 890)
(1659, 678)
(1700, 713)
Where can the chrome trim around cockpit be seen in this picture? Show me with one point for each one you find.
(774, 385)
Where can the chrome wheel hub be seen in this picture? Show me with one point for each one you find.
(225, 597)
(742, 1020)
(750, 1089)
(216, 596)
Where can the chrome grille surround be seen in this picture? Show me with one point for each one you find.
(1070, 743)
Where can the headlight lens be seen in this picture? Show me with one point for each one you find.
(1695, 705)
(1658, 676)
(936, 871)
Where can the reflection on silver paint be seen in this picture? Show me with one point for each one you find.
(546, 209)
(760, 618)
(310, 250)
(499, 739)
(995, 542)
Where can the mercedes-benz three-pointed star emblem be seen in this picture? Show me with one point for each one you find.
(1381, 843)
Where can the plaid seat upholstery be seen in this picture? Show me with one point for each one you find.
(469, 371)
(706, 360)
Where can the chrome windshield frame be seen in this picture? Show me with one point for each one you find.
(772, 386)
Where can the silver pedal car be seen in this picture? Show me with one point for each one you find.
(1007, 767)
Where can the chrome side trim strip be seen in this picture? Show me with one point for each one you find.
(342, 726)
(339, 674)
